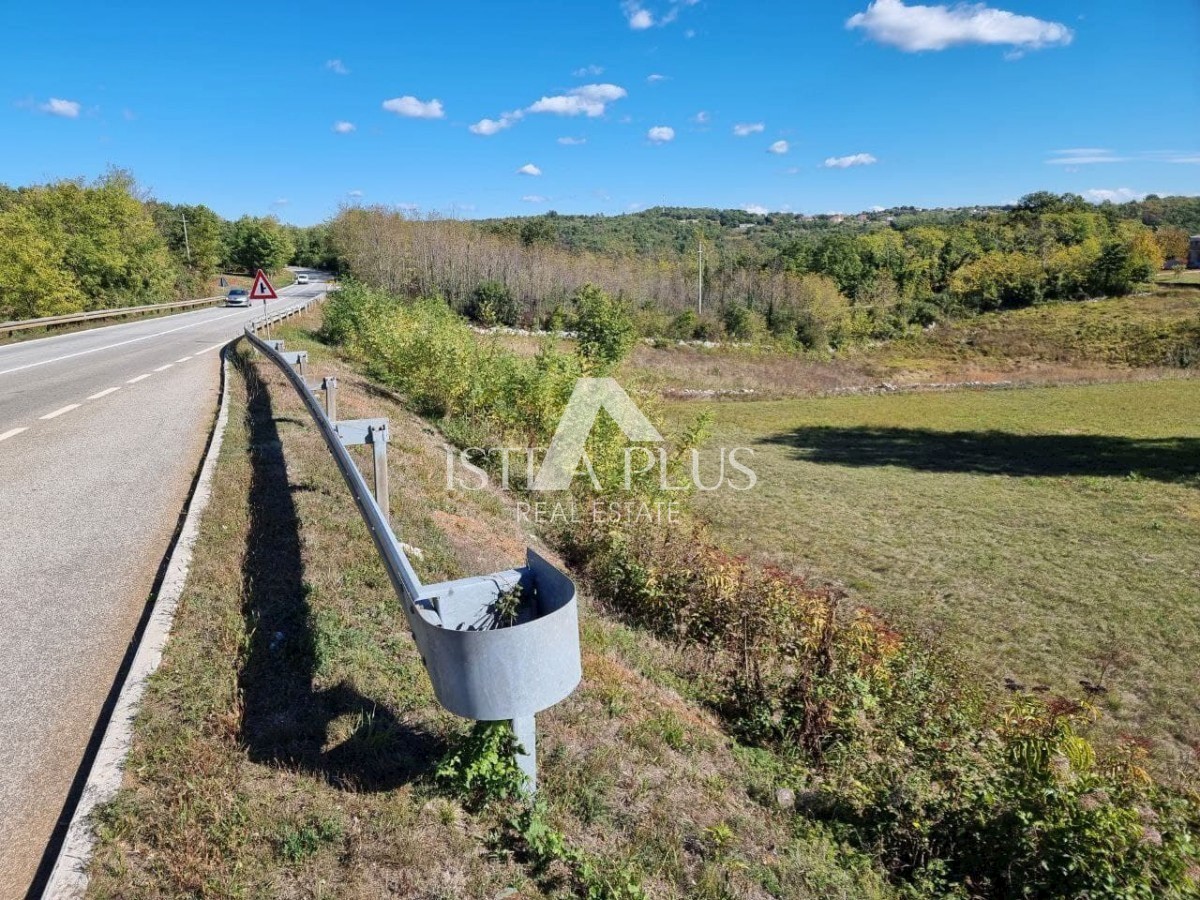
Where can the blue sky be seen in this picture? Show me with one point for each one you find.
(610, 106)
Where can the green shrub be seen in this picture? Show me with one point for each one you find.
(604, 329)
(492, 303)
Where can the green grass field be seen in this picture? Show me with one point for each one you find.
(1050, 534)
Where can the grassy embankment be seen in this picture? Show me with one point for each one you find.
(286, 747)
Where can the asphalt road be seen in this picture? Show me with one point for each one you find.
(101, 434)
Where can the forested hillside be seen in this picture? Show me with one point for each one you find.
(812, 281)
(815, 281)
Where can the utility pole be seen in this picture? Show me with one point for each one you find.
(700, 282)
(187, 245)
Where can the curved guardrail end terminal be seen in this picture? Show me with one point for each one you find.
(503, 646)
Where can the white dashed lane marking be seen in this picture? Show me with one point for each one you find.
(139, 378)
(12, 432)
(59, 412)
(103, 393)
(164, 368)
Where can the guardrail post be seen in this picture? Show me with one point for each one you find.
(480, 668)
(525, 731)
(329, 385)
(379, 442)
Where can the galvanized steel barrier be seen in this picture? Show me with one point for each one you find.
(497, 647)
(72, 318)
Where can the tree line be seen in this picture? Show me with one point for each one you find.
(75, 245)
(815, 282)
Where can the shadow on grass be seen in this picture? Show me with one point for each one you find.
(286, 720)
(997, 452)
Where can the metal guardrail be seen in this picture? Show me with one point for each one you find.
(497, 647)
(72, 318)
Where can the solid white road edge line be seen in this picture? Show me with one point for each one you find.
(59, 412)
(12, 432)
(185, 359)
(104, 393)
(69, 879)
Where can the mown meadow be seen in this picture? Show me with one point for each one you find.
(1050, 535)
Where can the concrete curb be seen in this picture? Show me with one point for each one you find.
(68, 880)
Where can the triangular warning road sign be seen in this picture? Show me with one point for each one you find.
(262, 289)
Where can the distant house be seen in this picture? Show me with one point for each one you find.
(1194, 252)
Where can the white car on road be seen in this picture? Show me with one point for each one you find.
(301, 279)
(237, 297)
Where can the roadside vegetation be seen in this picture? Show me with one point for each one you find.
(953, 788)
(774, 704)
(72, 246)
(290, 744)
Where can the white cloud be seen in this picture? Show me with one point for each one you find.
(282, 201)
(1089, 156)
(413, 108)
(354, 194)
(572, 141)
(745, 129)
(68, 109)
(1084, 156)
(702, 117)
(661, 134)
(337, 67)
(916, 28)
(639, 18)
(488, 127)
(877, 209)
(343, 127)
(1114, 195)
(533, 198)
(529, 169)
(654, 78)
(779, 147)
(588, 71)
(846, 162)
(755, 209)
(1179, 157)
(589, 100)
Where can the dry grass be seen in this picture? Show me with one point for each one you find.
(285, 747)
(1127, 338)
